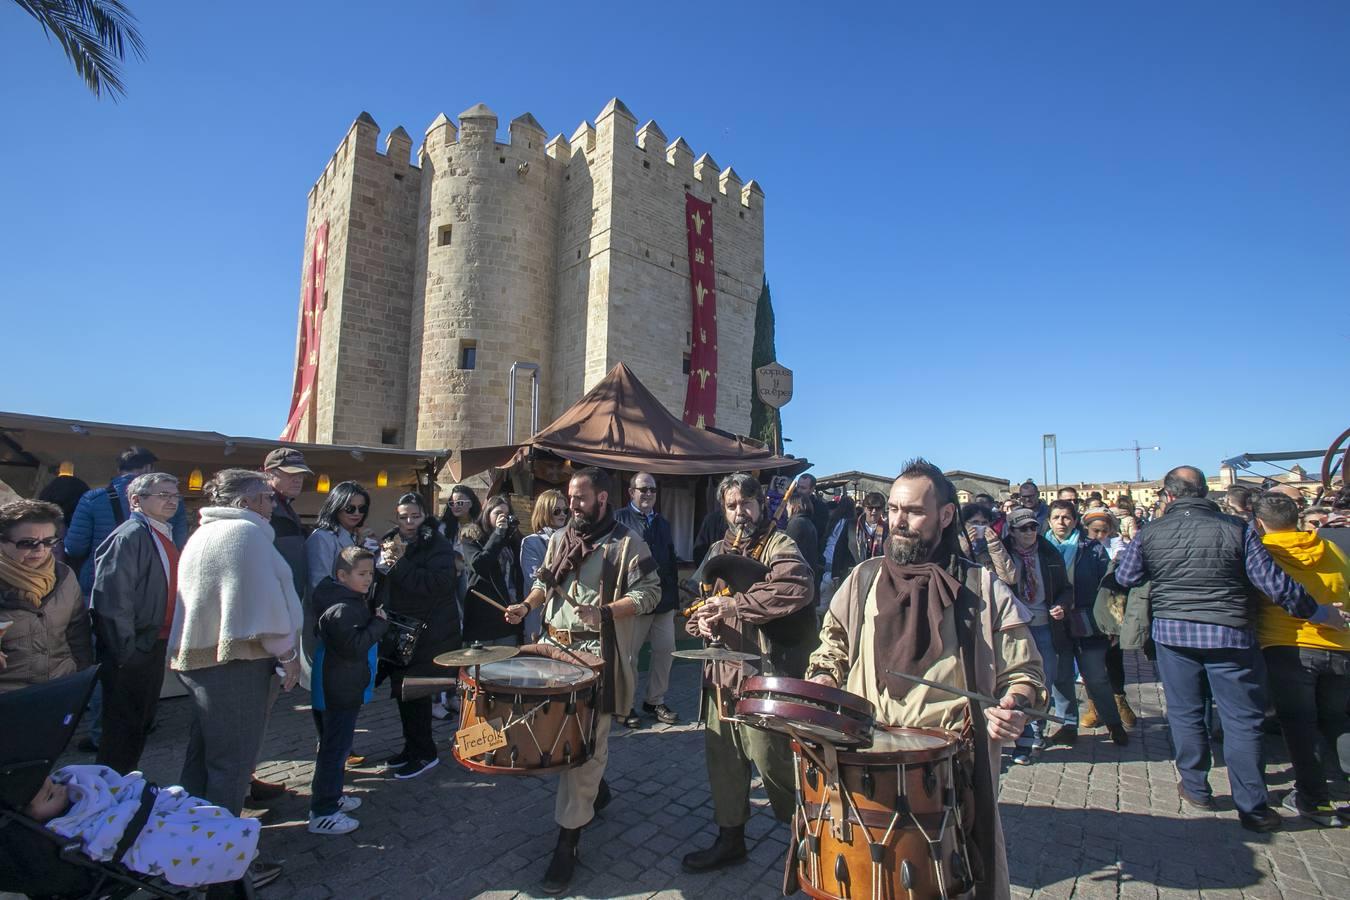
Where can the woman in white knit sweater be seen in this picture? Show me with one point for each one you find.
(238, 619)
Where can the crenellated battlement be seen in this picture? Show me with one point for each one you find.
(362, 140)
(617, 119)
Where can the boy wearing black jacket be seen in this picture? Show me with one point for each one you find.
(343, 678)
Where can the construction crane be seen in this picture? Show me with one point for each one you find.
(1137, 450)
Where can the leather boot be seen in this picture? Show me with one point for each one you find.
(1127, 716)
(727, 850)
(1088, 718)
(602, 796)
(564, 862)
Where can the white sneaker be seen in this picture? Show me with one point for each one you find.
(337, 823)
(347, 803)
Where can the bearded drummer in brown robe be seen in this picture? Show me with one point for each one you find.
(596, 577)
(924, 610)
(774, 618)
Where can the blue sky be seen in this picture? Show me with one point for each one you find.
(985, 221)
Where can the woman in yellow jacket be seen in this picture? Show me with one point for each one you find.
(1309, 665)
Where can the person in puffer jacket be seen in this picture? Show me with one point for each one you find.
(344, 678)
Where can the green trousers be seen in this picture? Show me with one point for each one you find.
(730, 749)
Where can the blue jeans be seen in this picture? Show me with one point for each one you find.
(1090, 656)
(1049, 658)
(338, 728)
(1237, 681)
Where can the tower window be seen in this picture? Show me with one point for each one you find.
(443, 235)
(389, 437)
(468, 355)
(686, 364)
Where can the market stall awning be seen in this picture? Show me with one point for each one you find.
(620, 425)
(39, 441)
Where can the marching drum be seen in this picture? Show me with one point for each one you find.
(544, 708)
(804, 709)
(883, 823)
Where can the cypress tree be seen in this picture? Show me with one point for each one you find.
(765, 422)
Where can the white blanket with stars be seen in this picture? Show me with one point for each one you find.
(186, 841)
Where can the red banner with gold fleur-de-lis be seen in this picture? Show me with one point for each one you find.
(700, 399)
(311, 321)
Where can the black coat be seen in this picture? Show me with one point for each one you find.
(803, 532)
(710, 531)
(820, 518)
(483, 558)
(422, 585)
(344, 664)
(130, 592)
(660, 540)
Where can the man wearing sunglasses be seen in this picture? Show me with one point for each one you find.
(135, 587)
(658, 626)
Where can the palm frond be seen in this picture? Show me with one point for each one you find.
(95, 35)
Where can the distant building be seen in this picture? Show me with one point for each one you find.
(968, 484)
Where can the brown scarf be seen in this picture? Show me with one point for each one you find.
(579, 542)
(28, 583)
(911, 601)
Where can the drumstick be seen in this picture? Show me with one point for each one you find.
(971, 695)
(487, 599)
(555, 642)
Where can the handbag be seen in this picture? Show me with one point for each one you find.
(400, 640)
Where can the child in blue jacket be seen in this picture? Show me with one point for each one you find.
(342, 680)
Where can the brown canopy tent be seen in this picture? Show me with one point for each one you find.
(620, 425)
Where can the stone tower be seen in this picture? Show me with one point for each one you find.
(567, 253)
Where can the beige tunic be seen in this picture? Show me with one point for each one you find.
(922, 706)
(1005, 654)
(637, 581)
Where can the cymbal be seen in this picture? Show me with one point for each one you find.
(476, 655)
(715, 654)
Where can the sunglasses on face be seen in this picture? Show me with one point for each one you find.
(1026, 528)
(30, 544)
(352, 510)
(559, 511)
(645, 490)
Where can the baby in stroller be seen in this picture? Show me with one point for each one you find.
(86, 831)
(185, 840)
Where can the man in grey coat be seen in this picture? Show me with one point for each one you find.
(132, 598)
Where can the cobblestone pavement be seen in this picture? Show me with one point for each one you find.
(1089, 821)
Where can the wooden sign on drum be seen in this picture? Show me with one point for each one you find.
(546, 709)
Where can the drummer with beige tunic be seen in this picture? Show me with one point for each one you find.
(923, 610)
(597, 576)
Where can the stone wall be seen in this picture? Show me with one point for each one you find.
(569, 253)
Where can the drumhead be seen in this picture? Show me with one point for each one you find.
(533, 672)
(903, 739)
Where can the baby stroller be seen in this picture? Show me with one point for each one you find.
(38, 722)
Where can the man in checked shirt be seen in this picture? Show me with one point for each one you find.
(1206, 569)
